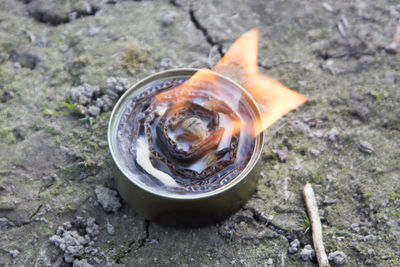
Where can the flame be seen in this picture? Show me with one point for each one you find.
(240, 64)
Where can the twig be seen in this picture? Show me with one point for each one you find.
(312, 209)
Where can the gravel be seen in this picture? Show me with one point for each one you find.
(83, 94)
(315, 152)
(281, 153)
(337, 258)
(75, 239)
(332, 134)
(81, 263)
(118, 84)
(107, 198)
(366, 147)
(294, 246)
(307, 253)
(14, 253)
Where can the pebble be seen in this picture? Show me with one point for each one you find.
(281, 153)
(81, 263)
(104, 103)
(308, 253)
(83, 93)
(371, 252)
(333, 134)
(337, 258)
(370, 237)
(392, 48)
(390, 77)
(355, 227)
(14, 253)
(118, 84)
(362, 112)
(107, 198)
(75, 241)
(110, 228)
(366, 147)
(93, 111)
(294, 246)
(6, 96)
(314, 152)
(270, 262)
(3, 223)
(168, 18)
(93, 31)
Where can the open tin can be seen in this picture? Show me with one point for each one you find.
(170, 208)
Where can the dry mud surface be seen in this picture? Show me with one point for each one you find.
(57, 200)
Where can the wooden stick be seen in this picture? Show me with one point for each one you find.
(312, 209)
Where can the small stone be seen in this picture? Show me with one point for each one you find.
(168, 18)
(111, 94)
(295, 243)
(307, 253)
(270, 262)
(3, 223)
(333, 134)
(366, 147)
(314, 152)
(371, 252)
(110, 228)
(14, 253)
(294, 246)
(83, 94)
(6, 96)
(362, 112)
(81, 263)
(104, 102)
(392, 48)
(337, 258)
(118, 84)
(390, 77)
(93, 111)
(93, 31)
(281, 153)
(370, 237)
(107, 198)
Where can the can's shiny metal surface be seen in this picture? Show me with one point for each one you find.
(186, 209)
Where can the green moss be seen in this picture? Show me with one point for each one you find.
(73, 171)
(7, 137)
(316, 177)
(134, 58)
(51, 131)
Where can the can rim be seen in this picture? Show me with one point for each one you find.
(178, 71)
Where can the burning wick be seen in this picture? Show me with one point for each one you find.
(200, 133)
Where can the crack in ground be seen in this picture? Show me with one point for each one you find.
(259, 218)
(266, 67)
(140, 243)
(36, 212)
(325, 55)
(204, 31)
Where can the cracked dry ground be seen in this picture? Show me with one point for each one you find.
(345, 140)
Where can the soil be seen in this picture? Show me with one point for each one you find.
(343, 55)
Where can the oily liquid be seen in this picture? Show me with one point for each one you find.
(161, 173)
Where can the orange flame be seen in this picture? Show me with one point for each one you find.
(240, 64)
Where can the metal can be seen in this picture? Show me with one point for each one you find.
(186, 209)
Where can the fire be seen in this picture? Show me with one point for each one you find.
(240, 64)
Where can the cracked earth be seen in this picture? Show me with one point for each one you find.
(344, 56)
